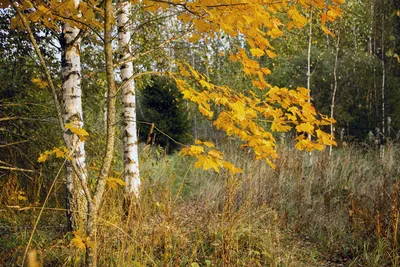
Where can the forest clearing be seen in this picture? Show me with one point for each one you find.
(199, 133)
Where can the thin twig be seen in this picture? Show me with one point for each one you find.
(15, 169)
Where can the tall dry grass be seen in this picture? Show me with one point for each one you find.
(343, 209)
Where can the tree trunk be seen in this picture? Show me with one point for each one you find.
(309, 71)
(383, 84)
(335, 86)
(130, 140)
(72, 104)
(94, 204)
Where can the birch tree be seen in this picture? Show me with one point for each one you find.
(335, 85)
(129, 131)
(241, 115)
(73, 115)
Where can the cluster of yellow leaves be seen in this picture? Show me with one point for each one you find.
(209, 158)
(59, 152)
(81, 242)
(80, 132)
(49, 12)
(252, 117)
(113, 183)
(22, 195)
(255, 20)
(39, 82)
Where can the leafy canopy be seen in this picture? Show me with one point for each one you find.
(251, 116)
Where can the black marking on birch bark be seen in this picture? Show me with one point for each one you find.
(129, 119)
(68, 76)
(124, 66)
(126, 134)
(129, 105)
(130, 173)
(128, 160)
(130, 144)
(73, 96)
(74, 118)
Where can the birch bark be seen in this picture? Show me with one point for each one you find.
(335, 85)
(130, 140)
(72, 107)
(309, 71)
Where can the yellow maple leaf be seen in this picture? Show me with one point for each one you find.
(270, 54)
(80, 132)
(185, 17)
(305, 127)
(231, 168)
(275, 32)
(77, 241)
(43, 157)
(59, 153)
(207, 144)
(211, 163)
(239, 108)
(39, 82)
(257, 52)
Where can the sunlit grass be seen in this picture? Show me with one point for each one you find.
(342, 209)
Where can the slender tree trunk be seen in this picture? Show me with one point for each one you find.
(309, 70)
(94, 204)
(130, 140)
(371, 50)
(309, 57)
(383, 83)
(371, 28)
(72, 105)
(335, 85)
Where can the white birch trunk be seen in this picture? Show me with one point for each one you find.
(130, 140)
(309, 70)
(72, 104)
(335, 86)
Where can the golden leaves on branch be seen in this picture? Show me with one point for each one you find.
(252, 117)
(209, 158)
(53, 11)
(58, 152)
(63, 152)
(113, 183)
(80, 132)
(39, 82)
(81, 242)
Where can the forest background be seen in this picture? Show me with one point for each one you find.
(324, 208)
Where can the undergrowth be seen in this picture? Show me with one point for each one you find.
(342, 209)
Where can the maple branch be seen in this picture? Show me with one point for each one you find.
(178, 4)
(210, 6)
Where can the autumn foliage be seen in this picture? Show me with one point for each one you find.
(251, 115)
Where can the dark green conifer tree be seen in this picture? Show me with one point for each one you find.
(161, 103)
